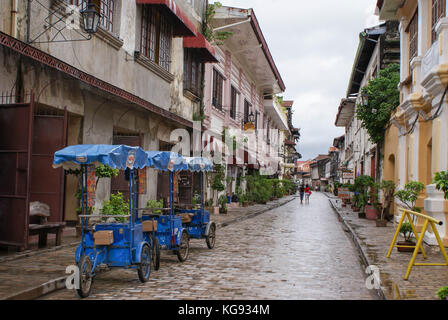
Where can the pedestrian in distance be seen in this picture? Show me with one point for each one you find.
(307, 193)
(302, 193)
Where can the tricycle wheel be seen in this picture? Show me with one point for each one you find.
(155, 253)
(211, 236)
(144, 268)
(85, 277)
(184, 247)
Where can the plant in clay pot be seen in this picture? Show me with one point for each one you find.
(406, 232)
(222, 204)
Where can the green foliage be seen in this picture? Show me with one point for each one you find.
(222, 201)
(361, 188)
(154, 204)
(406, 231)
(198, 116)
(207, 28)
(409, 195)
(116, 206)
(384, 97)
(441, 181)
(104, 171)
(442, 293)
(218, 178)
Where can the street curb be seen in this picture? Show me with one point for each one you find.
(358, 245)
(38, 252)
(40, 290)
(59, 283)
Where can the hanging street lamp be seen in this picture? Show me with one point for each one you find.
(91, 18)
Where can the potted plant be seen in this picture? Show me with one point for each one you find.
(441, 181)
(209, 205)
(442, 293)
(388, 189)
(409, 195)
(222, 204)
(406, 232)
(116, 206)
(154, 204)
(196, 200)
(362, 185)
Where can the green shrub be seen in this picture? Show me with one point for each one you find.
(406, 231)
(441, 181)
(154, 204)
(442, 293)
(116, 206)
(409, 195)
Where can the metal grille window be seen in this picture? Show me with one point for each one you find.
(413, 36)
(107, 14)
(192, 71)
(218, 81)
(438, 12)
(233, 103)
(156, 34)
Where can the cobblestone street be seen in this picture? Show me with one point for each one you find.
(292, 252)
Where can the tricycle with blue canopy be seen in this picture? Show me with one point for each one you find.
(199, 225)
(122, 244)
(175, 228)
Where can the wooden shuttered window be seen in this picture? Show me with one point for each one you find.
(218, 82)
(156, 34)
(192, 71)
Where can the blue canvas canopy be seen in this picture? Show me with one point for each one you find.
(197, 164)
(164, 161)
(115, 156)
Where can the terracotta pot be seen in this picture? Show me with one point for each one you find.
(371, 212)
(245, 204)
(381, 223)
(356, 209)
(406, 243)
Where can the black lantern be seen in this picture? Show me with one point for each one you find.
(251, 117)
(91, 18)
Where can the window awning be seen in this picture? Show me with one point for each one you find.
(205, 49)
(183, 27)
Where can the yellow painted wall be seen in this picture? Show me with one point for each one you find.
(390, 161)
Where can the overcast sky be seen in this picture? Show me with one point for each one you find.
(313, 44)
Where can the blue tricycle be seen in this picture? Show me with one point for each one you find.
(120, 245)
(175, 229)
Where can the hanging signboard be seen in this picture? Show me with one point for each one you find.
(343, 193)
(347, 175)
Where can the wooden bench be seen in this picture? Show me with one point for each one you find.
(39, 213)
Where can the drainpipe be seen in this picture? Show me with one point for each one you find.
(28, 22)
(14, 18)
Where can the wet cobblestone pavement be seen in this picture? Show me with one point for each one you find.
(292, 252)
(423, 282)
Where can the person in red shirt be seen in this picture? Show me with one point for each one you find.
(307, 193)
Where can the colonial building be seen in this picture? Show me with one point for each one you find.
(132, 82)
(241, 95)
(378, 48)
(417, 142)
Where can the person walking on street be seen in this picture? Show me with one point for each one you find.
(302, 193)
(307, 193)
